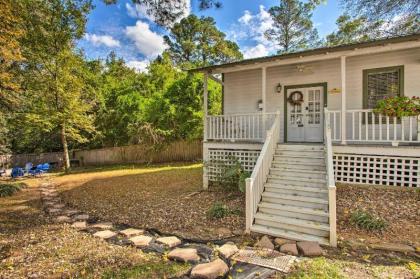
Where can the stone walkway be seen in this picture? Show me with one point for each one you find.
(209, 260)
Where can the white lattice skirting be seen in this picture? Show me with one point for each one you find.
(377, 170)
(219, 157)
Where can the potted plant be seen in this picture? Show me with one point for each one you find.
(398, 106)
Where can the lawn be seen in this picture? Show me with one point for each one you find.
(168, 198)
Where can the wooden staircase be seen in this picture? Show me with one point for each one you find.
(294, 202)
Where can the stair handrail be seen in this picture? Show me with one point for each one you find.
(255, 183)
(330, 178)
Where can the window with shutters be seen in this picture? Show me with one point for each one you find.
(381, 83)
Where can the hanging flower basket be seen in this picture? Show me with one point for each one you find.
(398, 106)
(295, 98)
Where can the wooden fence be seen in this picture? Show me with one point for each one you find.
(175, 152)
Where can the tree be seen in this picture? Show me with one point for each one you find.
(167, 12)
(58, 98)
(353, 30)
(197, 41)
(397, 17)
(293, 28)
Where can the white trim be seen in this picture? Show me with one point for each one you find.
(403, 151)
(205, 104)
(343, 99)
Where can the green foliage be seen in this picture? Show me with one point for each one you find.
(365, 220)
(399, 106)
(197, 41)
(158, 269)
(219, 210)
(318, 268)
(9, 189)
(232, 175)
(293, 28)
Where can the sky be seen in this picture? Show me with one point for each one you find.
(127, 30)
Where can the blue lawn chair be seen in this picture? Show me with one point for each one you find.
(17, 172)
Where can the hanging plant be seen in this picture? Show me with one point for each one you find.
(398, 106)
(295, 98)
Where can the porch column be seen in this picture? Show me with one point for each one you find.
(205, 104)
(264, 99)
(343, 100)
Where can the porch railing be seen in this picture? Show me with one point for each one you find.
(364, 125)
(245, 127)
(255, 184)
(330, 179)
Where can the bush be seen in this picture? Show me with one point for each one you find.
(365, 220)
(232, 176)
(6, 190)
(219, 210)
(399, 106)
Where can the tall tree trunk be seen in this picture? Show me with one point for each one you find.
(65, 149)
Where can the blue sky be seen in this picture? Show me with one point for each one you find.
(125, 29)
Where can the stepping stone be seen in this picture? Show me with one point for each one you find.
(59, 205)
(228, 249)
(131, 232)
(81, 217)
(105, 234)
(290, 249)
(309, 248)
(49, 204)
(265, 242)
(102, 226)
(141, 240)
(170, 241)
(184, 255)
(79, 225)
(70, 212)
(280, 241)
(212, 270)
(63, 219)
(53, 210)
(395, 247)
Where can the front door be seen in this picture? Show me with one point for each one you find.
(305, 114)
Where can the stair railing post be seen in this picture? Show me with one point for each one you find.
(249, 208)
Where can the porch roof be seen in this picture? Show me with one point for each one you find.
(240, 65)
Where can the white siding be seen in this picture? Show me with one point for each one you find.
(243, 89)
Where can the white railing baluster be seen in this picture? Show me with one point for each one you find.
(411, 129)
(395, 129)
(373, 126)
(402, 129)
(380, 127)
(366, 125)
(387, 128)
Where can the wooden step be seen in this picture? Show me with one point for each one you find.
(316, 192)
(299, 159)
(290, 172)
(292, 224)
(288, 234)
(309, 153)
(291, 211)
(299, 167)
(297, 181)
(306, 147)
(301, 201)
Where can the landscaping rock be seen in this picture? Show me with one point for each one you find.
(184, 255)
(102, 226)
(141, 240)
(79, 225)
(170, 241)
(394, 247)
(212, 270)
(71, 212)
(309, 248)
(280, 241)
(58, 205)
(290, 249)
(53, 210)
(265, 242)
(131, 232)
(63, 219)
(228, 249)
(81, 217)
(224, 231)
(105, 234)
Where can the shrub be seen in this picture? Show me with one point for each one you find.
(9, 189)
(232, 175)
(399, 106)
(365, 220)
(219, 210)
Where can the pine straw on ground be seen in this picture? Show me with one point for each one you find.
(399, 207)
(166, 198)
(31, 246)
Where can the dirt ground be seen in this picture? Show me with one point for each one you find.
(399, 207)
(167, 198)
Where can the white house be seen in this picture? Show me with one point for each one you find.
(296, 119)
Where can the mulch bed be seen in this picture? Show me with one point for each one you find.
(170, 201)
(400, 207)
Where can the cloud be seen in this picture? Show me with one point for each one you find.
(140, 11)
(138, 65)
(149, 43)
(249, 32)
(98, 40)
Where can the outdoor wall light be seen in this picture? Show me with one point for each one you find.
(278, 88)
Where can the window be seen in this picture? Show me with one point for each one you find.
(381, 83)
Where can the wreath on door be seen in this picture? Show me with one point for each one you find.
(295, 98)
